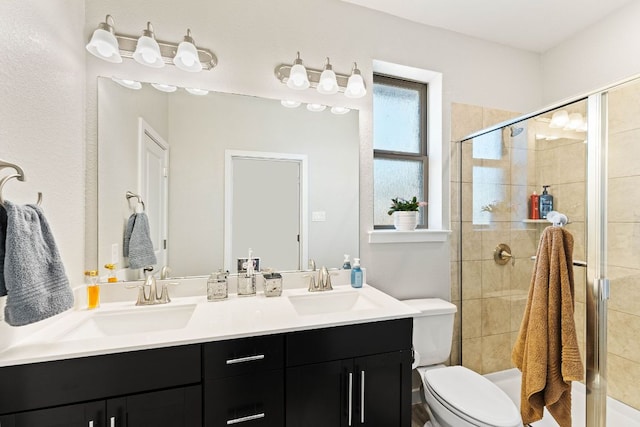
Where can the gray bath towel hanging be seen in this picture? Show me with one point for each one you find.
(35, 281)
(137, 242)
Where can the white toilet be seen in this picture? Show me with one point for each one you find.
(456, 396)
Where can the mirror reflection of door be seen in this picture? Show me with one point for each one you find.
(154, 159)
(266, 212)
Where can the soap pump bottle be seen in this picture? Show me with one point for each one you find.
(356, 274)
(546, 202)
(346, 265)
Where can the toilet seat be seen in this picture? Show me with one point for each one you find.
(471, 397)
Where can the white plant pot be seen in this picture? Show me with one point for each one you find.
(405, 220)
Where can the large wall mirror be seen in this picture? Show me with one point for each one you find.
(170, 149)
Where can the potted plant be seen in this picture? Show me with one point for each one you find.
(405, 213)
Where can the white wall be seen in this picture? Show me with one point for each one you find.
(598, 56)
(251, 38)
(42, 69)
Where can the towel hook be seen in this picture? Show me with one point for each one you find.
(131, 195)
(20, 177)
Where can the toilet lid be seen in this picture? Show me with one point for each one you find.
(473, 396)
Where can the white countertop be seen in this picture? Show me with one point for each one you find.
(236, 317)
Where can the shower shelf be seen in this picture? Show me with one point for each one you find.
(535, 221)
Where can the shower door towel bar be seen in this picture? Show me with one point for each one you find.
(576, 262)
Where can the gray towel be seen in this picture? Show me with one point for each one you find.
(36, 284)
(137, 242)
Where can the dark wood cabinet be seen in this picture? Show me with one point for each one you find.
(244, 382)
(180, 407)
(353, 376)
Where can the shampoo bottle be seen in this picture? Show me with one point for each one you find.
(534, 206)
(546, 202)
(356, 274)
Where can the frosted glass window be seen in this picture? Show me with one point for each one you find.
(396, 115)
(395, 178)
(399, 145)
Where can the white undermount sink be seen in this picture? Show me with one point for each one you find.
(133, 320)
(331, 302)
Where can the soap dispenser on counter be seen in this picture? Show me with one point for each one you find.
(217, 286)
(546, 202)
(247, 280)
(356, 274)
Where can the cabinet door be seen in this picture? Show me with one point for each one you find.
(179, 407)
(250, 400)
(317, 395)
(383, 390)
(81, 415)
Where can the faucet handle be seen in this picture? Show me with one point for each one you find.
(164, 294)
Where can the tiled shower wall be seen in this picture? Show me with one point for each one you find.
(492, 297)
(623, 250)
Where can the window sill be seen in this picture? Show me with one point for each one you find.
(414, 236)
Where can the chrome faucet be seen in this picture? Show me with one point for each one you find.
(164, 272)
(152, 298)
(323, 283)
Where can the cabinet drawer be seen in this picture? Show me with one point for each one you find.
(46, 384)
(343, 342)
(255, 400)
(243, 356)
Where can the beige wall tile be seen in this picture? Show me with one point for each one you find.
(624, 244)
(571, 200)
(622, 196)
(623, 330)
(621, 163)
(624, 108)
(496, 315)
(471, 280)
(496, 279)
(623, 380)
(472, 354)
(471, 243)
(465, 119)
(455, 281)
(625, 292)
(471, 318)
(518, 304)
(492, 116)
(496, 353)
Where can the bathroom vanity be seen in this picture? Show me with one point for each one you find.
(345, 368)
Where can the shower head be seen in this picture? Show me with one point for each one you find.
(515, 131)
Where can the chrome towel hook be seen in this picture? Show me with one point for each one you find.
(131, 195)
(19, 176)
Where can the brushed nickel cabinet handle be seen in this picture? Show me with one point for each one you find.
(247, 418)
(245, 359)
(362, 397)
(350, 397)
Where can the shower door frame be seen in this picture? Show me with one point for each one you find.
(597, 282)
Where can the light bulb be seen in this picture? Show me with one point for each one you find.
(340, 110)
(103, 43)
(328, 84)
(298, 78)
(147, 49)
(316, 108)
(196, 91)
(164, 87)
(355, 84)
(187, 55)
(129, 84)
(290, 104)
(559, 119)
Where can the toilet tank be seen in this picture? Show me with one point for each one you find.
(432, 329)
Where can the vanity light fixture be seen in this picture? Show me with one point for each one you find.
(110, 46)
(316, 108)
(290, 104)
(298, 78)
(187, 55)
(355, 85)
(103, 43)
(328, 85)
(196, 91)
(164, 87)
(129, 84)
(325, 81)
(148, 50)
